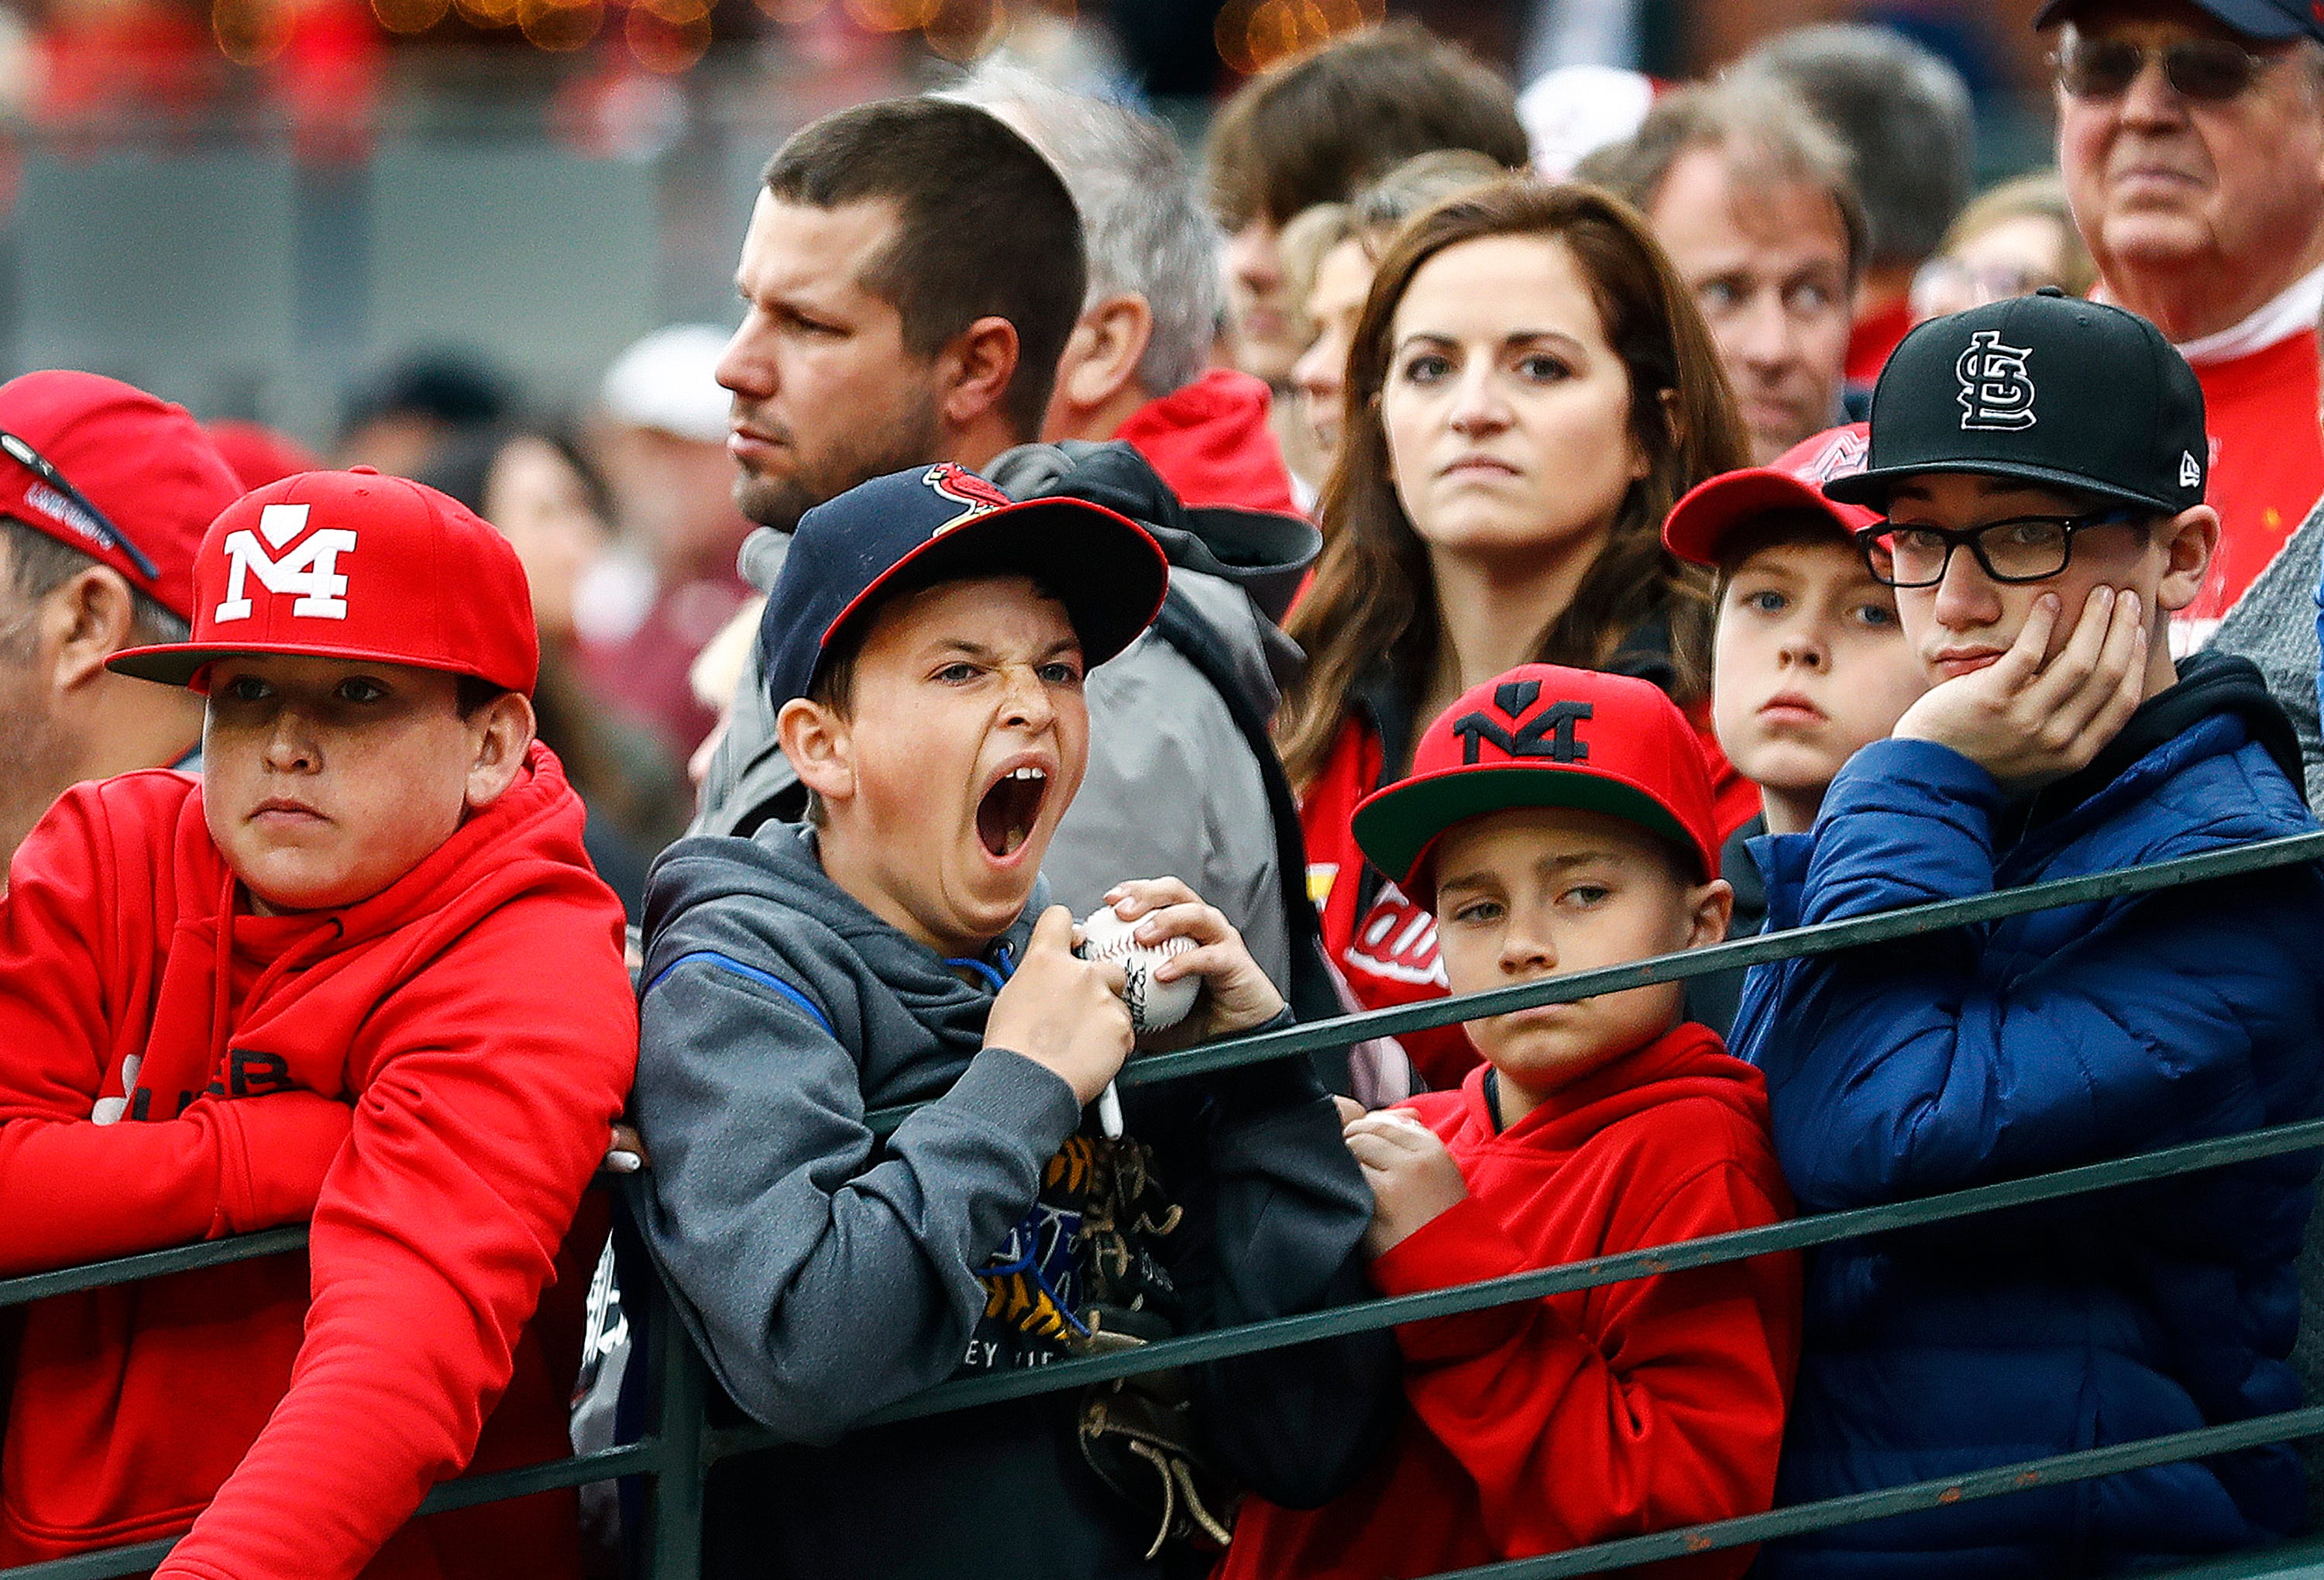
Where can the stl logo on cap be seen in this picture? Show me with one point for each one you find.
(958, 483)
(1548, 734)
(310, 570)
(1995, 392)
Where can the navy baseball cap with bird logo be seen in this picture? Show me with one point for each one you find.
(914, 529)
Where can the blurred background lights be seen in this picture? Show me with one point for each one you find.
(1254, 34)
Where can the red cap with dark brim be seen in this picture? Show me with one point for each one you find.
(1544, 736)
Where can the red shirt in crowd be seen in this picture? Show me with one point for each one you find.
(1381, 940)
(2267, 461)
(1583, 1418)
(1873, 339)
(1211, 443)
(431, 1073)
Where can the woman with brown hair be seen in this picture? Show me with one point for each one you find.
(1530, 390)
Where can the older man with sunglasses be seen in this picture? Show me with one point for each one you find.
(105, 493)
(2191, 133)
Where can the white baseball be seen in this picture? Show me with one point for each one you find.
(1153, 1005)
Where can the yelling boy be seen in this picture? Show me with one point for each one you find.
(924, 647)
(2041, 463)
(1809, 663)
(1562, 820)
(360, 971)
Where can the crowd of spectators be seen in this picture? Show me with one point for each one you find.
(1388, 554)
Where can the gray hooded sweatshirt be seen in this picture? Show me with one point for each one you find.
(826, 1274)
(1171, 790)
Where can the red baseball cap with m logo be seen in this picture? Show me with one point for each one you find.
(1544, 736)
(357, 566)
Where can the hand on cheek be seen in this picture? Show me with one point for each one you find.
(2028, 720)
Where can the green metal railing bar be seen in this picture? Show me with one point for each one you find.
(1913, 1498)
(151, 1264)
(1793, 1234)
(649, 1457)
(1821, 938)
(2298, 1559)
(671, 1540)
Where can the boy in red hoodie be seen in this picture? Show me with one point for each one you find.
(359, 972)
(1562, 820)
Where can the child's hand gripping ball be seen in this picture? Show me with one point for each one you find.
(1153, 1005)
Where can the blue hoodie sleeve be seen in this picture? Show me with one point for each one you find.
(824, 1277)
(1950, 1058)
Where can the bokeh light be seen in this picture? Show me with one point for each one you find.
(558, 25)
(487, 12)
(793, 13)
(964, 30)
(661, 45)
(1252, 35)
(251, 32)
(894, 15)
(409, 15)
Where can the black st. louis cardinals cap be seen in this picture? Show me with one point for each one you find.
(2263, 21)
(2048, 389)
(914, 529)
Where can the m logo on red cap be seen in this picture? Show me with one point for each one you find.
(1844, 457)
(1548, 734)
(309, 570)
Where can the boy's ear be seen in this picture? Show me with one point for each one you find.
(506, 726)
(1710, 907)
(2188, 541)
(821, 749)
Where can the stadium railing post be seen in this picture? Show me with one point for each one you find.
(672, 1549)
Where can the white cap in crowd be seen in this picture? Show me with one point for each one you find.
(669, 380)
(1572, 111)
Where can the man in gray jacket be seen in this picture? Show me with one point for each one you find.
(1177, 784)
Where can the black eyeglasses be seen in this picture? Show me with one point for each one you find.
(2209, 70)
(98, 523)
(2021, 548)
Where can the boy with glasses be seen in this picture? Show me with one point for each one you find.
(2190, 140)
(2040, 465)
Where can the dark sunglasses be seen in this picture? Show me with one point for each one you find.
(2209, 70)
(37, 464)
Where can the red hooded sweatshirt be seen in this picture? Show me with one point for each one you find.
(430, 1073)
(1583, 1418)
(1211, 443)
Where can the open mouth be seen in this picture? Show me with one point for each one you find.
(1006, 815)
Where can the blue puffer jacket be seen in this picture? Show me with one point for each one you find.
(2026, 1045)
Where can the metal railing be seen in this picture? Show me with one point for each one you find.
(680, 1447)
